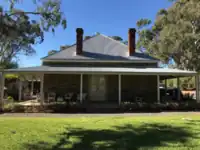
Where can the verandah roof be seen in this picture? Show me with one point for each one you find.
(107, 70)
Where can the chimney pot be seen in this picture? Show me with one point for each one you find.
(131, 41)
(79, 41)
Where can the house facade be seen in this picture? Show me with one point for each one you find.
(101, 70)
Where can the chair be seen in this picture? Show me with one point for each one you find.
(138, 99)
(68, 97)
(51, 97)
(59, 99)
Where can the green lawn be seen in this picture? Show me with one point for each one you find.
(103, 133)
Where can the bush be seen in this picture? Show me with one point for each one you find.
(49, 108)
(10, 99)
(9, 107)
(157, 107)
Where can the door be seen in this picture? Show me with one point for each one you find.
(97, 88)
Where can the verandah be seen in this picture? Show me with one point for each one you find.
(120, 83)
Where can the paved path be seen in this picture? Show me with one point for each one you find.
(95, 115)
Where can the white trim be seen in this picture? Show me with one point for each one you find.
(125, 73)
(20, 90)
(158, 88)
(119, 86)
(101, 70)
(32, 86)
(101, 61)
(81, 88)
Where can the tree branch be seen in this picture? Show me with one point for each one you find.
(31, 13)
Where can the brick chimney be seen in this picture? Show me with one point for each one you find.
(79, 41)
(131, 41)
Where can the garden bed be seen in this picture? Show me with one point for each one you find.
(124, 107)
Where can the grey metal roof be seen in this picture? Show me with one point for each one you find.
(99, 47)
(144, 71)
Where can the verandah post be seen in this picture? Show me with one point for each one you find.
(20, 89)
(42, 88)
(32, 85)
(81, 88)
(2, 91)
(119, 90)
(158, 88)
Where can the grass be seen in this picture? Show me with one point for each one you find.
(104, 133)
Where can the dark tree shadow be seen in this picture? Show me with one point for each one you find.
(127, 137)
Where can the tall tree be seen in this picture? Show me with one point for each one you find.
(87, 37)
(19, 30)
(51, 52)
(117, 38)
(63, 47)
(175, 34)
(9, 65)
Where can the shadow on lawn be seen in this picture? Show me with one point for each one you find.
(119, 138)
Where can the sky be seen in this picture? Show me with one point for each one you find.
(109, 17)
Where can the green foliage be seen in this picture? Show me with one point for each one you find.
(20, 30)
(117, 38)
(9, 65)
(87, 37)
(9, 107)
(174, 35)
(10, 99)
(63, 47)
(185, 83)
(143, 22)
(11, 76)
(52, 52)
(125, 42)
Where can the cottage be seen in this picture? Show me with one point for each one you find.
(101, 70)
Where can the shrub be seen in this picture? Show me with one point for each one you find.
(10, 99)
(156, 107)
(9, 107)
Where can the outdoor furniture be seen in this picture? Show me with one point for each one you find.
(59, 99)
(138, 99)
(51, 97)
(68, 97)
(27, 96)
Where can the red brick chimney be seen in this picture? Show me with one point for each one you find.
(79, 41)
(131, 41)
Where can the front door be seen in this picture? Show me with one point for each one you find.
(97, 88)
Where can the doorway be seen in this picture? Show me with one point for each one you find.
(97, 88)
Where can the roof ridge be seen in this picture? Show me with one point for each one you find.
(69, 47)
